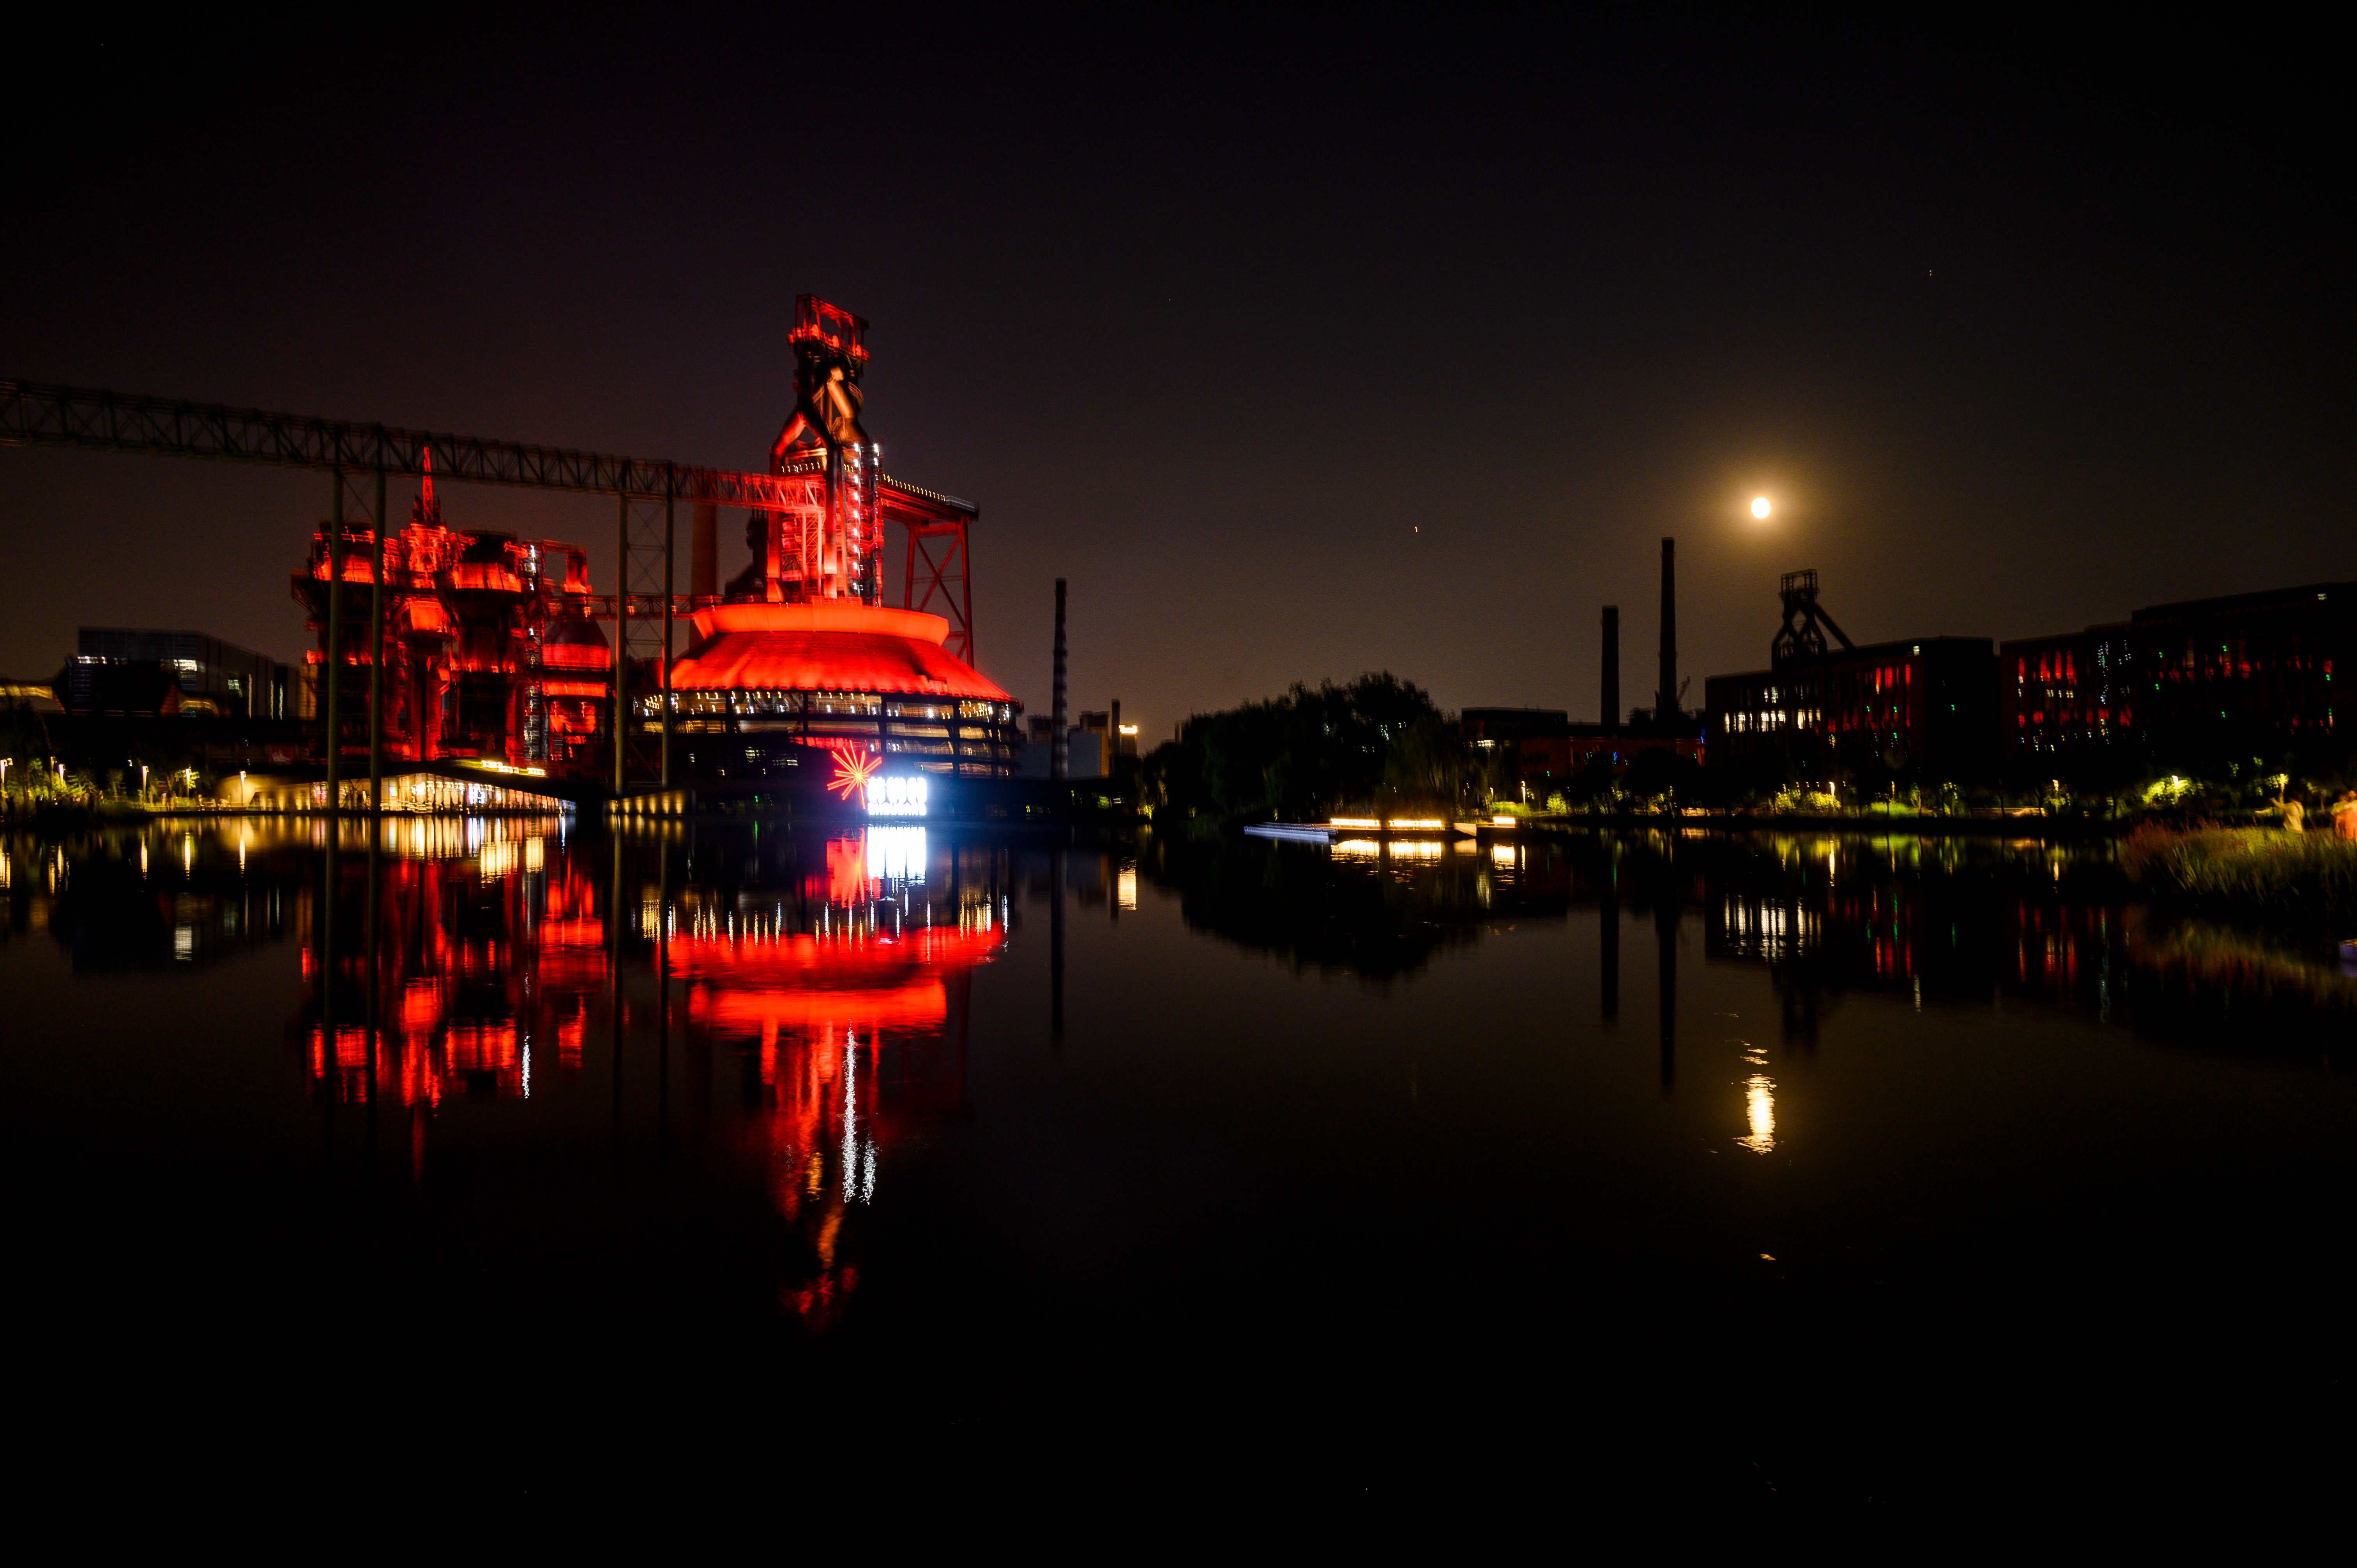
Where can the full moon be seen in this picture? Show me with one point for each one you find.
(1759, 505)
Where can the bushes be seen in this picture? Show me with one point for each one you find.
(2253, 872)
(1377, 742)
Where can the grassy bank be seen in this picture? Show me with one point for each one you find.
(2258, 874)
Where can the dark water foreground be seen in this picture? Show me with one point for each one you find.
(1741, 1170)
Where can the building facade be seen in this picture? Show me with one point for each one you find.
(490, 648)
(1926, 706)
(210, 677)
(2193, 686)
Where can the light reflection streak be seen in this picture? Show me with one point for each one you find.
(1758, 1104)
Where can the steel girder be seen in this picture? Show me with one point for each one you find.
(35, 413)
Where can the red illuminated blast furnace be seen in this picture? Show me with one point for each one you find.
(801, 658)
(491, 650)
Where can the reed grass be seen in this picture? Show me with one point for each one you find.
(2253, 872)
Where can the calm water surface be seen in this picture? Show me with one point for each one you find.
(1724, 1167)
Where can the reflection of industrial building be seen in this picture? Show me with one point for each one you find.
(489, 648)
(844, 1002)
(491, 950)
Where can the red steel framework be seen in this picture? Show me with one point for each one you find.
(823, 469)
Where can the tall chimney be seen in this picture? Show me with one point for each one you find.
(1060, 755)
(704, 553)
(1665, 702)
(1112, 735)
(1612, 667)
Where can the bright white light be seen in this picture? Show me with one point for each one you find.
(1759, 505)
(900, 795)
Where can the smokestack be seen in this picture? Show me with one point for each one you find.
(1665, 702)
(1613, 667)
(1060, 756)
(704, 553)
(1113, 733)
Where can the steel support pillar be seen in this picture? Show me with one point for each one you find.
(332, 672)
(621, 684)
(376, 652)
(642, 628)
(670, 519)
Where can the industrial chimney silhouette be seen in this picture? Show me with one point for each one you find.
(1665, 701)
(1612, 667)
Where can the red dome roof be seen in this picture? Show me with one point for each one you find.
(831, 646)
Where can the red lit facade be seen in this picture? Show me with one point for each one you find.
(1925, 705)
(2190, 686)
(802, 657)
(490, 649)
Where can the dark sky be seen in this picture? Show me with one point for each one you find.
(1303, 342)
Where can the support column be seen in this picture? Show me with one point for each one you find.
(376, 655)
(621, 645)
(331, 672)
(671, 508)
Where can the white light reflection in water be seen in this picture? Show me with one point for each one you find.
(850, 1115)
(1758, 1104)
(896, 854)
(858, 1158)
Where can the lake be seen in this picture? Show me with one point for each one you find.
(1738, 1168)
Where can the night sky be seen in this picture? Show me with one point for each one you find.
(1303, 342)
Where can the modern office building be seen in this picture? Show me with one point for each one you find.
(203, 675)
(1927, 705)
(2192, 686)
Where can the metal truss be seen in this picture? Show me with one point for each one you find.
(35, 414)
(942, 568)
(948, 584)
(362, 458)
(356, 507)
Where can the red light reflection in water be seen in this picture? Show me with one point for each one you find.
(853, 1041)
(842, 995)
(486, 981)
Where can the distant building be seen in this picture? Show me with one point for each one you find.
(1511, 726)
(40, 696)
(1550, 762)
(204, 675)
(1550, 750)
(1926, 705)
(2193, 686)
